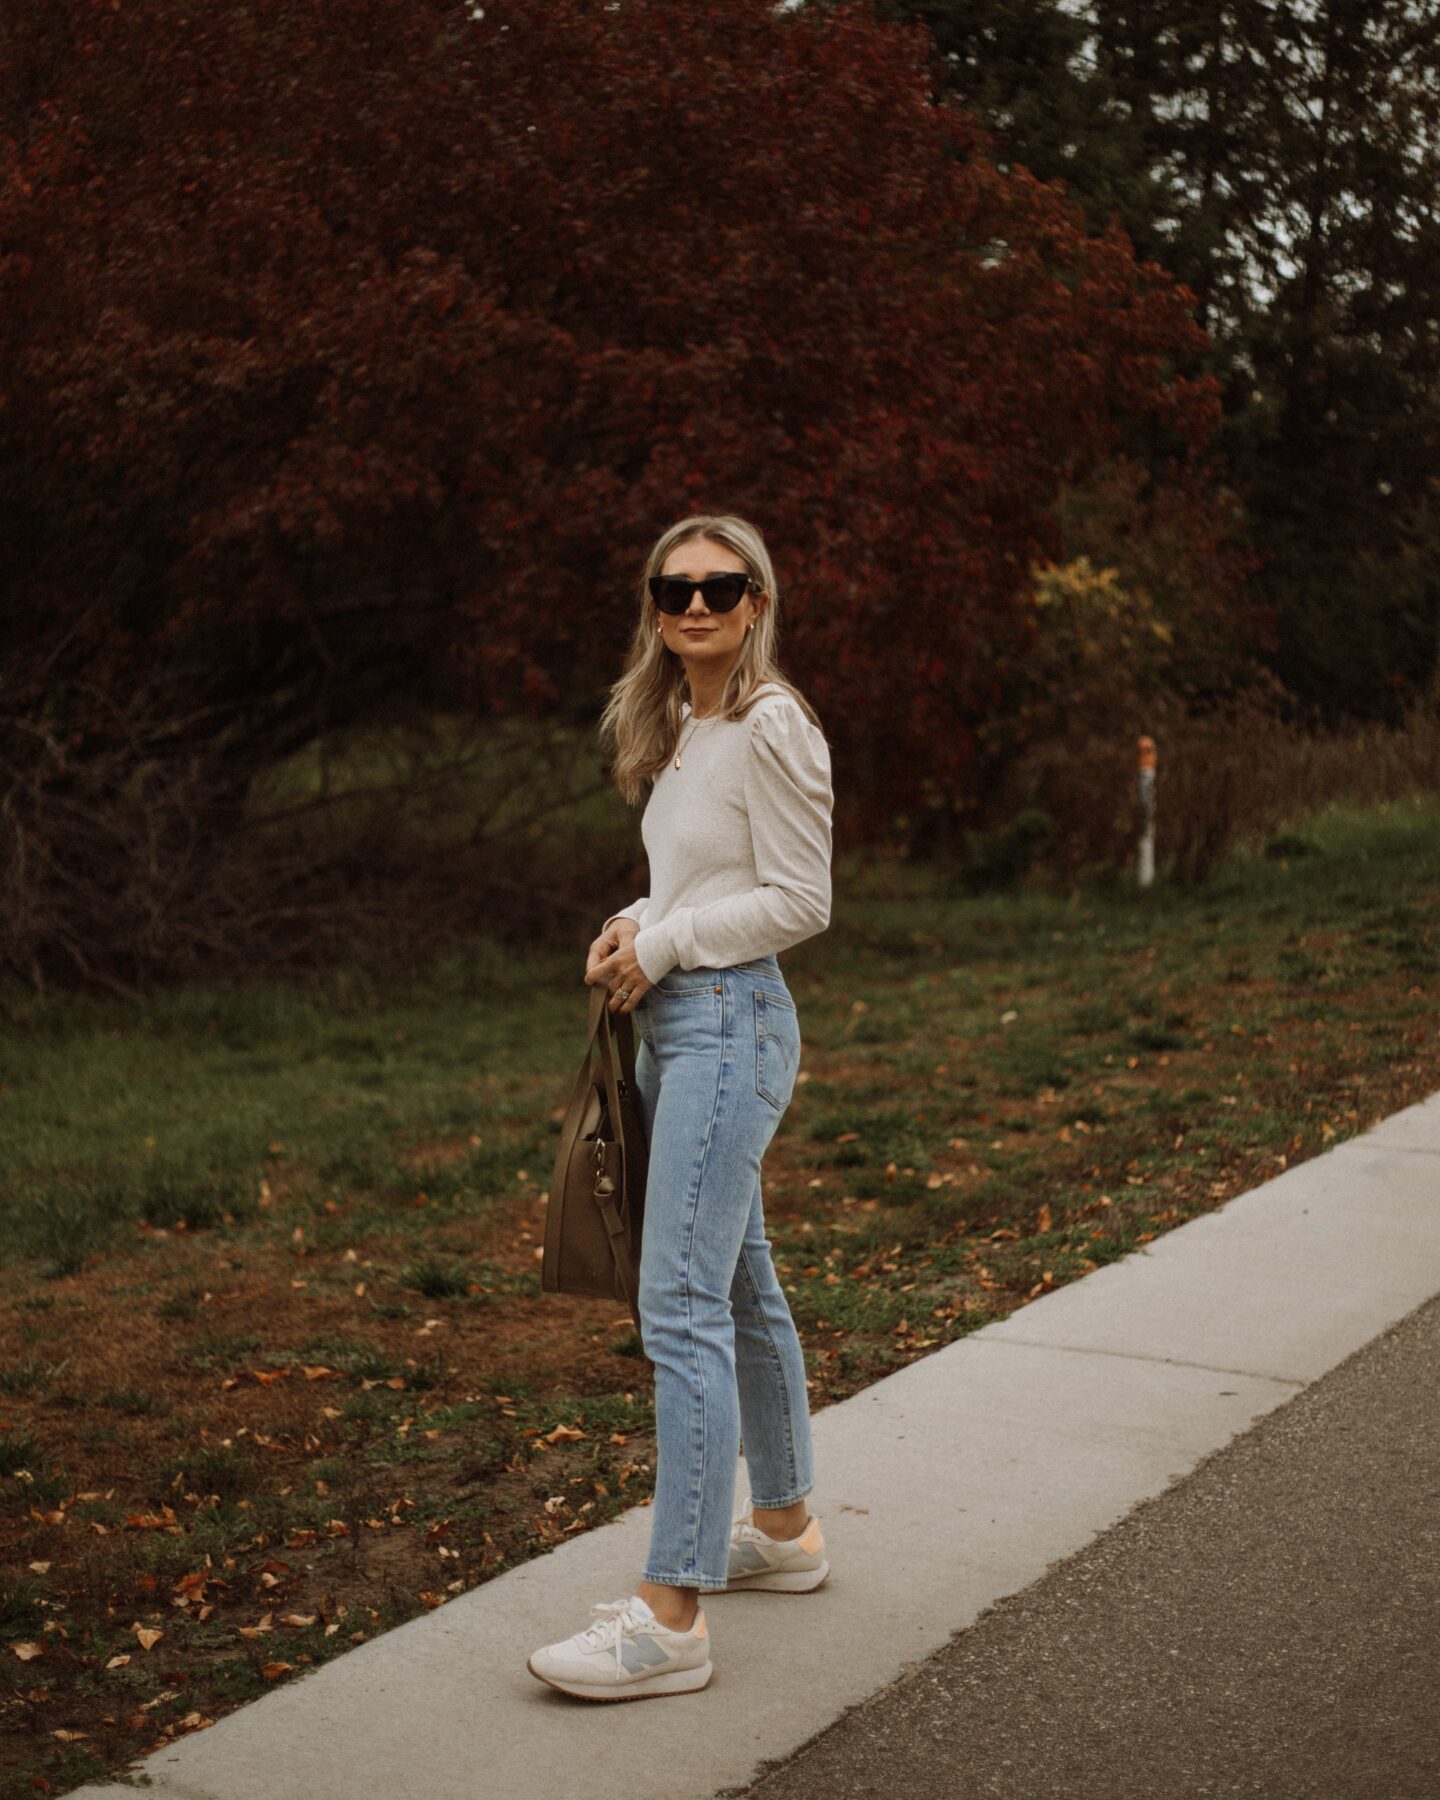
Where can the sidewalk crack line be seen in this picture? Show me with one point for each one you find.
(1170, 1362)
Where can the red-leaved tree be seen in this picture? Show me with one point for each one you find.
(355, 350)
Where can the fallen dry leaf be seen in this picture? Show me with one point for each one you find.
(164, 1520)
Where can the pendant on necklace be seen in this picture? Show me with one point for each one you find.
(693, 721)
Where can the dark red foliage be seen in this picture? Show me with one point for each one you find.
(349, 346)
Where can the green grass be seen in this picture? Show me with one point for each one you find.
(173, 1117)
(436, 1277)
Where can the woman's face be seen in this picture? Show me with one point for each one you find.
(706, 641)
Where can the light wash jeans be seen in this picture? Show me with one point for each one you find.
(716, 1058)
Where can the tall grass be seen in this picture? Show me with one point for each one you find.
(1224, 780)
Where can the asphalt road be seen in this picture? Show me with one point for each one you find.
(1268, 1626)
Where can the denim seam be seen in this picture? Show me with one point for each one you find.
(785, 1000)
(784, 1385)
(693, 1546)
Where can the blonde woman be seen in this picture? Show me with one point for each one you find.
(737, 828)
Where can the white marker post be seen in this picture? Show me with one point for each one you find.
(1146, 862)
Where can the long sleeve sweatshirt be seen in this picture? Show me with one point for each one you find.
(738, 839)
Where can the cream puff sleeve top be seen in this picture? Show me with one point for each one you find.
(738, 839)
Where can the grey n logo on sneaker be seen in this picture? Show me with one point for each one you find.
(641, 1653)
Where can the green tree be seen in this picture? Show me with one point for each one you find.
(1283, 162)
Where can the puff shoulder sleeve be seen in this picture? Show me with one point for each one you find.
(790, 800)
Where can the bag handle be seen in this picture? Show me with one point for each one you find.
(607, 1029)
(617, 1027)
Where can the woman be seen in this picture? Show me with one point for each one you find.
(737, 829)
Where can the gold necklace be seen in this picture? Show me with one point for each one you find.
(693, 723)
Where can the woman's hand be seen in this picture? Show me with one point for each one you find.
(611, 961)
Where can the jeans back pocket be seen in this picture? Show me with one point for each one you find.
(777, 1047)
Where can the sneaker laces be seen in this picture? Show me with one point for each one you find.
(613, 1620)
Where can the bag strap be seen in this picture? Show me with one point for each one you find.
(584, 1079)
(618, 1028)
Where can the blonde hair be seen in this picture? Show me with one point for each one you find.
(642, 719)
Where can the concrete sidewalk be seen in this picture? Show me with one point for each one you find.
(957, 1481)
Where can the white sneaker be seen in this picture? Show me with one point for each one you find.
(776, 1565)
(627, 1654)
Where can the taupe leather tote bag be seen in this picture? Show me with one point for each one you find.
(596, 1209)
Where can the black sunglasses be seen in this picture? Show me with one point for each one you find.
(721, 593)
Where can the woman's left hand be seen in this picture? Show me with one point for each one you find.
(612, 962)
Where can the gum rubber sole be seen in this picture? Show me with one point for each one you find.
(659, 1687)
(777, 1581)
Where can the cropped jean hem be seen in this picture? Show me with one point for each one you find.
(789, 1499)
(707, 1582)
